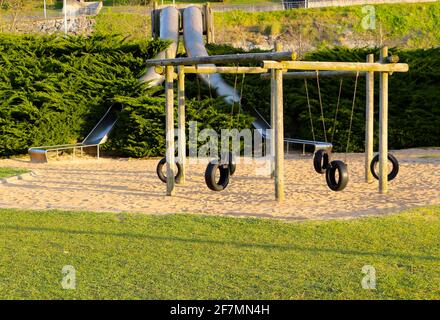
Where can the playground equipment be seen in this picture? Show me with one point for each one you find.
(94, 139)
(197, 22)
(275, 64)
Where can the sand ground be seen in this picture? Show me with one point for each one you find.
(123, 185)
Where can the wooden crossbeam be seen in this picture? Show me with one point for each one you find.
(312, 75)
(230, 70)
(227, 58)
(336, 66)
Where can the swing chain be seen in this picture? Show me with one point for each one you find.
(337, 109)
(321, 106)
(352, 112)
(310, 108)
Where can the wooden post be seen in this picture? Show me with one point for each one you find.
(208, 23)
(273, 123)
(279, 133)
(153, 16)
(181, 121)
(369, 121)
(383, 127)
(169, 125)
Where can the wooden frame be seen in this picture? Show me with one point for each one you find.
(276, 71)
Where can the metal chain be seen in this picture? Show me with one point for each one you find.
(320, 104)
(352, 112)
(337, 109)
(310, 109)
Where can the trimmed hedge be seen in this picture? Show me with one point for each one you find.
(54, 89)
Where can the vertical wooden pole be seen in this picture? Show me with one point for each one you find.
(273, 124)
(211, 25)
(279, 137)
(153, 20)
(279, 133)
(208, 23)
(169, 125)
(65, 16)
(181, 121)
(369, 121)
(383, 127)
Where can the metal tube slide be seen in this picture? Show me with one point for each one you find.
(169, 30)
(194, 45)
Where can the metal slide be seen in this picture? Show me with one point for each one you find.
(195, 47)
(95, 138)
(169, 30)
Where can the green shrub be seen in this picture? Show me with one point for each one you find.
(53, 90)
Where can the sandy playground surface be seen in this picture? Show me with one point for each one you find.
(122, 185)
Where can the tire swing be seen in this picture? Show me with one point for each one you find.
(336, 172)
(394, 170)
(336, 175)
(321, 161)
(218, 173)
(321, 158)
(162, 176)
(214, 182)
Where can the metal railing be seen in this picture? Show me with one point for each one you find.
(287, 5)
(41, 154)
(265, 7)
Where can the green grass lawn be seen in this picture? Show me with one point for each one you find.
(10, 172)
(196, 257)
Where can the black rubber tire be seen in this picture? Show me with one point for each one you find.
(330, 175)
(393, 172)
(162, 176)
(321, 161)
(210, 179)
